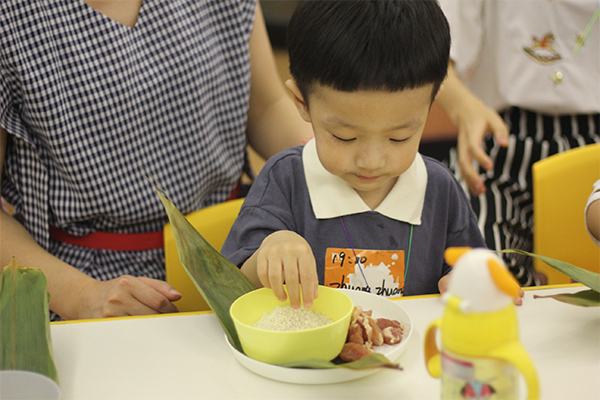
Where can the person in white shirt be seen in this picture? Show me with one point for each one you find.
(523, 84)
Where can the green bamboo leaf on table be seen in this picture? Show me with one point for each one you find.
(25, 342)
(591, 279)
(585, 298)
(218, 280)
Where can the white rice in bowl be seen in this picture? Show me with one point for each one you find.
(292, 319)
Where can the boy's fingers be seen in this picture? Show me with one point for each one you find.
(518, 301)
(262, 270)
(308, 279)
(275, 268)
(292, 281)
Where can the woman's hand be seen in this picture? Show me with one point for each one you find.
(474, 121)
(127, 295)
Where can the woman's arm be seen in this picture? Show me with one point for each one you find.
(273, 121)
(73, 294)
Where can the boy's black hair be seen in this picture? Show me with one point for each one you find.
(351, 45)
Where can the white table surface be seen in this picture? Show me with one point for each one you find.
(185, 357)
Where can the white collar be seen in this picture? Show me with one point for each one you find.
(332, 197)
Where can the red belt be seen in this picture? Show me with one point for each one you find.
(119, 241)
(112, 240)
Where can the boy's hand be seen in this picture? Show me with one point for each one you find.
(519, 300)
(443, 283)
(285, 256)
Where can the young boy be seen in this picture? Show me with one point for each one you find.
(357, 206)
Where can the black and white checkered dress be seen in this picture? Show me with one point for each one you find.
(91, 106)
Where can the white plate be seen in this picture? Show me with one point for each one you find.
(382, 308)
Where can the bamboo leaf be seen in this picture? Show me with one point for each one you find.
(588, 278)
(585, 298)
(25, 342)
(218, 280)
(374, 360)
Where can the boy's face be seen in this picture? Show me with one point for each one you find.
(367, 138)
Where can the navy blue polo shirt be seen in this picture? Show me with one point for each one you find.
(396, 249)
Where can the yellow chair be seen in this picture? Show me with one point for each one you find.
(562, 184)
(214, 224)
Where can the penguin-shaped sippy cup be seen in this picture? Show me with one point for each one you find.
(480, 351)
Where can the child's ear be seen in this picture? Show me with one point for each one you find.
(298, 99)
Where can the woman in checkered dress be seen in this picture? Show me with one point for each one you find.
(531, 76)
(94, 97)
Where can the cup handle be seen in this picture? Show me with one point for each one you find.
(433, 358)
(515, 354)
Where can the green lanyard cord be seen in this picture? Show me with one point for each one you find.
(408, 255)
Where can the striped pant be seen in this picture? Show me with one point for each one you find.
(505, 210)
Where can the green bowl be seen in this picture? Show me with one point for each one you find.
(278, 347)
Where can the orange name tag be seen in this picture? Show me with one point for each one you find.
(378, 271)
